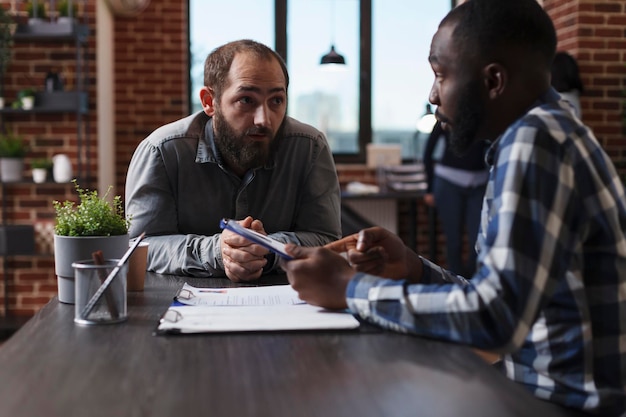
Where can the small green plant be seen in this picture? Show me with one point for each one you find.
(6, 43)
(64, 8)
(26, 92)
(43, 163)
(92, 216)
(12, 145)
(36, 10)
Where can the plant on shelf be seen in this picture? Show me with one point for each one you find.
(6, 47)
(44, 163)
(41, 163)
(12, 145)
(36, 9)
(64, 8)
(92, 224)
(25, 99)
(12, 152)
(40, 168)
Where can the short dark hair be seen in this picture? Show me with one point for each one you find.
(489, 28)
(217, 64)
(565, 75)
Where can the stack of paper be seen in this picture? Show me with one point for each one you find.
(276, 307)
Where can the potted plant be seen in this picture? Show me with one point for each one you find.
(68, 11)
(92, 224)
(26, 98)
(6, 44)
(12, 152)
(40, 167)
(36, 10)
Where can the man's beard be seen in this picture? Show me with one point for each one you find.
(470, 114)
(239, 151)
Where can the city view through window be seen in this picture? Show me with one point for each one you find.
(325, 98)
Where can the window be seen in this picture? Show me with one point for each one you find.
(401, 74)
(213, 23)
(325, 96)
(383, 90)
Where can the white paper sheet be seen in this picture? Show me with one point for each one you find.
(240, 296)
(270, 308)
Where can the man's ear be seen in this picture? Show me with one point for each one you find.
(495, 78)
(207, 99)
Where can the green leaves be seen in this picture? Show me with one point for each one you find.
(6, 40)
(12, 145)
(93, 216)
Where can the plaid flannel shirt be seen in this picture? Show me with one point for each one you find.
(550, 288)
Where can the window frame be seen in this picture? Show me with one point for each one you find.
(365, 69)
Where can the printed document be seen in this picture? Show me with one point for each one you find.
(268, 308)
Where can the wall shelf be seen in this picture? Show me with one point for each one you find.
(71, 102)
(51, 32)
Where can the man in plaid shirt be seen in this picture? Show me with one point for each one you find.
(550, 288)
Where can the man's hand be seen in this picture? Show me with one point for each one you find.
(242, 259)
(377, 251)
(319, 275)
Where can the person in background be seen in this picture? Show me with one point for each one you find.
(240, 157)
(456, 185)
(566, 79)
(549, 292)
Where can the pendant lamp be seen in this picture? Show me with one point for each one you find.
(333, 57)
(426, 123)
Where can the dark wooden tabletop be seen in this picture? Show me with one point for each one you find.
(52, 367)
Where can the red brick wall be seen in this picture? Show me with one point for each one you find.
(151, 66)
(594, 32)
(151, 89)
(31, 279)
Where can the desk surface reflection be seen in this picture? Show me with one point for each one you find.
(56, 368)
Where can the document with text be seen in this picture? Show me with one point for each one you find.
(268, 308)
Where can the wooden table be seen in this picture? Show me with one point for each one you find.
(52, 367)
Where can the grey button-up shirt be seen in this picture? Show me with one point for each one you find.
(177, 190)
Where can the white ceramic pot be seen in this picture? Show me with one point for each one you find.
(40, 175)
(28, 103)
(62, 168)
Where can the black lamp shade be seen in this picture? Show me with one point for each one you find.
(333, 57)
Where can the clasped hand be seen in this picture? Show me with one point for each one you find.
(243, 260)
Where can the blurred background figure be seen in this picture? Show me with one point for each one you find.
(456, 185)
(566, 79)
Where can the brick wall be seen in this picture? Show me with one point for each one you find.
(594, 32)
(151, 65)
(151, 89)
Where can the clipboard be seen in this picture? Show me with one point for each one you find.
(281, 315)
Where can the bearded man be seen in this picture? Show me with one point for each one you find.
(549, 291)
(241, 158)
